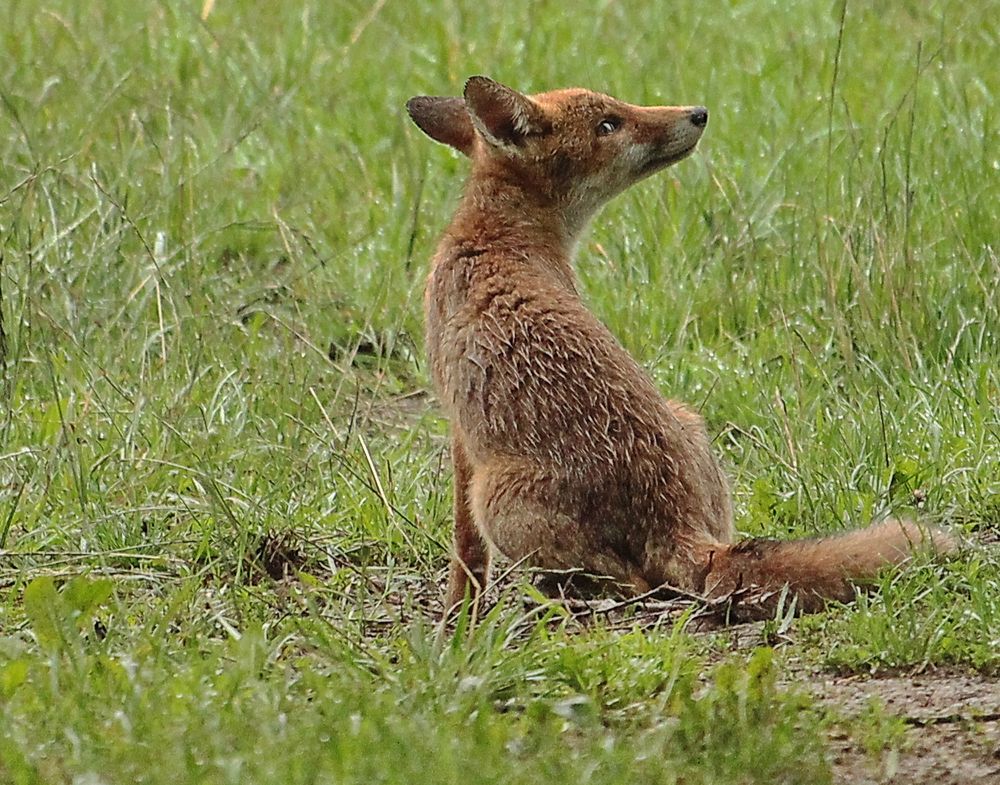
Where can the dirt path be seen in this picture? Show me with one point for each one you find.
(954, 738)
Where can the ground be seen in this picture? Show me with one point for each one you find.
(953, 733)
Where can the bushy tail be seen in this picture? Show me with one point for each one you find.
(817, 570)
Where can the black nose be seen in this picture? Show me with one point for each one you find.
(699, 116)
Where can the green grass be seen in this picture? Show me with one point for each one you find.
(213, 239)
(253, 709)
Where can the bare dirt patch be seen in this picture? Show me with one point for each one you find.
(953, 735)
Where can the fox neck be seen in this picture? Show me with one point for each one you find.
(500, 211)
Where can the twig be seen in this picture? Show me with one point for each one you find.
(949, 719)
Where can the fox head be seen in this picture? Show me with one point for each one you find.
(573, 148)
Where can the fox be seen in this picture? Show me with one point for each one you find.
(566, 455)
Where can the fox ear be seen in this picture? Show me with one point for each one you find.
(503, 116)
(444, 120)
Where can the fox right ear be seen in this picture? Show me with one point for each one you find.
(501, 115)
(444, 120)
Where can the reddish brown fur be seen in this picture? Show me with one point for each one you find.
(566, 455)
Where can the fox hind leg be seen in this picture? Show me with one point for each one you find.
(515, 507)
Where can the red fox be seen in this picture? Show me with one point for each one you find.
(566, 456)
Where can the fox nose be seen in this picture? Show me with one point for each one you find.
(699, 116)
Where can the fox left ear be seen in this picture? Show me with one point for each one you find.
(501, 115)
(444, 120)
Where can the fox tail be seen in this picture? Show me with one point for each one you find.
(822, 569)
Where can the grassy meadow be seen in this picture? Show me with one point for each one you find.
(224, 484)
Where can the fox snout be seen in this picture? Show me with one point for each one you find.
(667, 134)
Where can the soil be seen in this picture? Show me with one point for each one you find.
(953, 733)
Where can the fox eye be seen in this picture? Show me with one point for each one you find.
(608, 126)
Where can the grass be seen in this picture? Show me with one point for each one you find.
(213, 237)
(250, 709)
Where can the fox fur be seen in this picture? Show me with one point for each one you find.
(566, 455)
